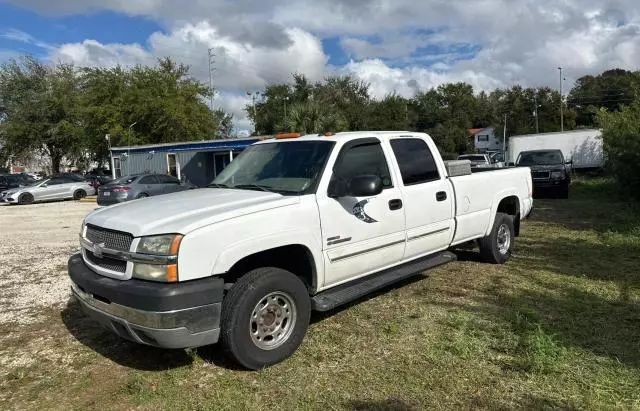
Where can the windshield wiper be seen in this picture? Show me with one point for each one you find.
(217, 185)
(254, 187)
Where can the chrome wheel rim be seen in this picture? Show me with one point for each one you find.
(272, 320)
(504, 239)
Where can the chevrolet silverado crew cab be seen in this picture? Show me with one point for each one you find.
(293, 224)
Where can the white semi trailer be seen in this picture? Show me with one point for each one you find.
(583, 147)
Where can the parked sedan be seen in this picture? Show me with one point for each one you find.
(138, 186)
(11, 181)
(48, 189)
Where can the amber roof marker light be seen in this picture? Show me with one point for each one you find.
(284, 136)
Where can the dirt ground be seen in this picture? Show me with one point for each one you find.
(35, 244)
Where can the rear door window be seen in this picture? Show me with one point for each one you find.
(417, 164)
(167, 179)
(149, 180)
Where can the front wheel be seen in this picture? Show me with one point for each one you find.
(25, 199)
(496, 247)
(79, 194)
(265, 317)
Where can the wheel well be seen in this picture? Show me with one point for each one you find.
(296, 259)
(511, 206)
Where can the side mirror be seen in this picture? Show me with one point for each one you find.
(44, 186)
(359, 186)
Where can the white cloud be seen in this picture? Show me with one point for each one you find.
(519, 41)
(22, 37)
(238, 67)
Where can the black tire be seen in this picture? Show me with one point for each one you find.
(142, 195)
(26, 199)
(490, 248)
(237, 312)
(79, 194)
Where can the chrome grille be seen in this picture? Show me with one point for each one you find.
(540, 175)
(107, 263)
(116, 240)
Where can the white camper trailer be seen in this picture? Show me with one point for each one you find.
(583, 147)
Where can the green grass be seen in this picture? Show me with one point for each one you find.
(556, 327)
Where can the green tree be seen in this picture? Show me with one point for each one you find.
(146, 105)
(609, 90)
(390, 113)
(621, 137)
(313, 117)
(40, 109)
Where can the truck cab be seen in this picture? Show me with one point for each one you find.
(293, 224)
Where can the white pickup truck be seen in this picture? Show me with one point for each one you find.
(292, 225)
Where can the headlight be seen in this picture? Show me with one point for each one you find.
(82, 228)
(156, 272)
(160, 244)
(556, 175)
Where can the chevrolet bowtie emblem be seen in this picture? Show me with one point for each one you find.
(97, 249)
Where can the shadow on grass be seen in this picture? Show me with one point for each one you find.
(146, 358)
(120, 351)
(391, 404)
(317, 317)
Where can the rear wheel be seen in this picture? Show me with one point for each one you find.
(79, 194)
(142, 195)
(496, 247)
(265, 317)
(26, 198)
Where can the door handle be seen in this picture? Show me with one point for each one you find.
(395, 204)
(441, 195)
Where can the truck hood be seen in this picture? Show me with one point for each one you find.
(185, 211)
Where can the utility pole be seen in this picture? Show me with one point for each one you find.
(285, 108)
(212, 56)
(535, 112)
(254, 96)
(561, 103)
(504, 138)
(129, 135)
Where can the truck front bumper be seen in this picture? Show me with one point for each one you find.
(180, 315)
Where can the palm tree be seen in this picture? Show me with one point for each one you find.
(313, 117)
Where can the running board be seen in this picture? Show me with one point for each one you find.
(342, 294)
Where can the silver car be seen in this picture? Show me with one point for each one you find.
(48, 189)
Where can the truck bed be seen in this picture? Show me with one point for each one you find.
(475, 198)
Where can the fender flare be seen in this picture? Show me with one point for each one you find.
(497, 199)
(233, 253)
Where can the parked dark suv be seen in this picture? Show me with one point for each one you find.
(549, 171)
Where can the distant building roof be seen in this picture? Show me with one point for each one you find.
(475, 131)
(228, 144)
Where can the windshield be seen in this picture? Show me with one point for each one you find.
(540, 158)
(37, 183)
(292, 167)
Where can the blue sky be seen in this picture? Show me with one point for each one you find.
(104, 26)
(397, 46)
